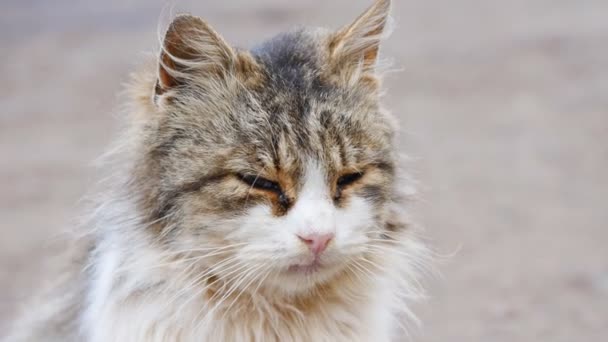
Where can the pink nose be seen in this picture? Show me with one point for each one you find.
(317, 243)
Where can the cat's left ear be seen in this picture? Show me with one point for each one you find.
(194, 54)
(355, 47)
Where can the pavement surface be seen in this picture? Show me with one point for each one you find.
(503, 107)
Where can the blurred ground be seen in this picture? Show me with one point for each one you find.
(503, 104)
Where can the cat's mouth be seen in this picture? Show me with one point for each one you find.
(309, 268)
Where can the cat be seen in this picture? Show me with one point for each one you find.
(255, 196)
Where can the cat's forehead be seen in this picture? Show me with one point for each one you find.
(295, 60)
(292, 65)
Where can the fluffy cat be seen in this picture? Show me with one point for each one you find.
(254, 197)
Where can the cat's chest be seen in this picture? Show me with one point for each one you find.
(263, 320)
(163, 318)
(139, 308)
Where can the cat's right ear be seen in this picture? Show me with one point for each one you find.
(354, 48)
(191, 49)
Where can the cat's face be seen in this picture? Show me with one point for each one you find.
(273, 168)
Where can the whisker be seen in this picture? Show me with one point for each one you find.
(174, 254)
(254, 273)
(227, 264)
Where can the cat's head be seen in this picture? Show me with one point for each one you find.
(274, 163)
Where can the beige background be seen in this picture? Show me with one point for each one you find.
(503, 104)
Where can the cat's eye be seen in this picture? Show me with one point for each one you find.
(348, 179)
(261, 183)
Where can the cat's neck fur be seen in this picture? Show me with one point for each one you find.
(136, 282)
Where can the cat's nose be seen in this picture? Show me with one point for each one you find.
(317, 243)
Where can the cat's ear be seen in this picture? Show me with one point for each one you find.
(356, 46)
(190, 49)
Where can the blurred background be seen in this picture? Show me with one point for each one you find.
(503, 107)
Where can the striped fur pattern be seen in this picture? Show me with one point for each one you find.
(229, 157)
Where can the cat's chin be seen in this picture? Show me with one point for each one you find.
(302, 278)
(306, 269)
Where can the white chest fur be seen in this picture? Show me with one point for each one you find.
(138, 307)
